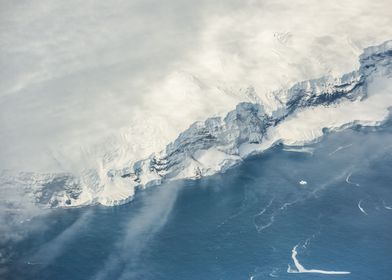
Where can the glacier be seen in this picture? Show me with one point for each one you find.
(294, 117)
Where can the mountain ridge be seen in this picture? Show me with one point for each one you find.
(214, 145)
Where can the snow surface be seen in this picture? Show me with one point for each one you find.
(86, 96)
(362, 97)
(99, 85)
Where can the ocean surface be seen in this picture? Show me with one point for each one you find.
(329, 202)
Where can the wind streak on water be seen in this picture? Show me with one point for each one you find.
(236, 214)
(49, 252)
(349, 182)
(139, 230)
(361, 208)
(340, 148)
(386, 206)
(260, 227)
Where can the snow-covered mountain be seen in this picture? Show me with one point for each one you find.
(296, 116)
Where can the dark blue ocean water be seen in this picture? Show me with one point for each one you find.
(236, 225)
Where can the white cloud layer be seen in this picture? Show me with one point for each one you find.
(98, 84)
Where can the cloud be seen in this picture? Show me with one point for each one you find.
(86, 84)
(80, 80)
(19, 217)
(50, 251)
(153, 215)
(72, 73)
